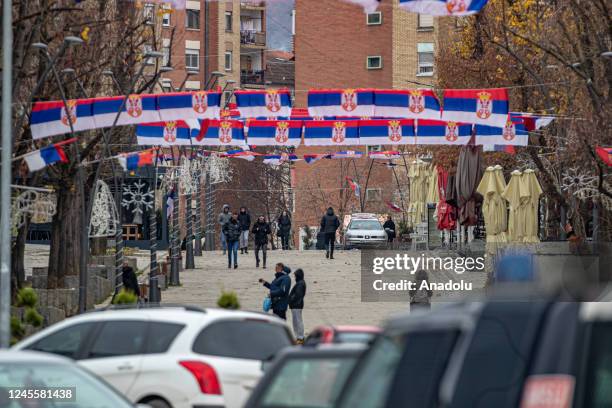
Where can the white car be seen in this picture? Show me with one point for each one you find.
(170, 357)
(364, 230)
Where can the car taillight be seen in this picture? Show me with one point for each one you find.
(205, 375)
(328, 336)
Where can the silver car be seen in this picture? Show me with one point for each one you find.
(364, 232)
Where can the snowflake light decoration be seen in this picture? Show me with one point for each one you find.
(579, 184)
(104, 215)
(185, 176)
(134, 196)
(218, 169)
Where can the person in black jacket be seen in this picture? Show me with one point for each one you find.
(130, 281)
(329, 226)
(279, 290)
(244, 218)
(261, 230)
(296, 304)
(389, 227)
(232, 232)
(284, 229)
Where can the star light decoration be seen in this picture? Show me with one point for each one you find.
(135, 197)
(104, 220)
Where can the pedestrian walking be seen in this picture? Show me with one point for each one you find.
(232, 231)
(389, 227)
(284, 229)
(261, 230)
(244, 218)
(296, 304)
(130, 280)
(329, 226)
(279, 290)
(420, 296)
(223, 218)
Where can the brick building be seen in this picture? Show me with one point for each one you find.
(337, 45)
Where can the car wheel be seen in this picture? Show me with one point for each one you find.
(157, 403)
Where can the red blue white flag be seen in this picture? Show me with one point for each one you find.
(354, 186)
(136, 109)
(241, 154)
(412, 104)
(215, 132)
(39, 159)
(443, 7)
(349, 154)
(436, 132)
(386, 132)
(499, 148)
(52, 118)
(264, 103)
(132, 161)
(275, 132)
(532, 121)
(313, 158)
(278, 159)
(488, 107)
(386, 155)
(605, 154)
(189, 105)
(513, 134)
(331, 133)
(171, 133)
(393, 206)
(341, 102)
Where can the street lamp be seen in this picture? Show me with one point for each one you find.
(214, 76)
(228, 83)
(111, 74)
(166, 69)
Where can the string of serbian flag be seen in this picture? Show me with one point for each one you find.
(488, 107)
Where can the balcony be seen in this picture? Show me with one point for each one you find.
(253, 37)
(252, 4)
(252, 77)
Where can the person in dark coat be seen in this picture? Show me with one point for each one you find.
(232, 232)
(420, 296)
(284, 229)
(389, 227)
(261, 230)
(223, 218)
(329, 226)
(130, 281)
(296, 304)
(279, 290)
(244, 218)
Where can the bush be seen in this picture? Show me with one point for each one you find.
(125, 297)
(17, 329)
(27, 297)
(31, 316)
(307, 238)
(228, 300)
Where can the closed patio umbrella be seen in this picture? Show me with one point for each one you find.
(530, 200)
(494, 206)
(512, 195)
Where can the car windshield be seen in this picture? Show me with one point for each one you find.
(308, 382)
(354, 337)
(369, 225)
(88, 391)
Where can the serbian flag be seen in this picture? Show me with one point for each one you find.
(349, 154)
(171, 133)
(443, 7)
(532, 121)
(354, 186)
(136, 109)
(412, 104)
(241, 154)
(189, 105)
(51, 118)
(215, 132)
(393, 207)
(275, 132)
(488, 107)
(313, 158)
(386, 132)
(436, 132)
(388, 155)
(39, 159)
(605, 154)
(278, 159)
(264, 103)
(499, 148)
(331, 133)
(513, 134)
(341, 102)
(132, 161)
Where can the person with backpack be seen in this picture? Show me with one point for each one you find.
(329, 226)
(244, 218)
(420, 298)
(279, 290)
(232, 231)
(261, 230)
(296, 304)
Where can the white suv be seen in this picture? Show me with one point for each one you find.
(170, 357)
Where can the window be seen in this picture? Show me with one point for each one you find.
(374, 62)
(161, 335)
(247, 339)
(373, 194)
(598, 378)
(426, 22)
(425, 55)
(192, 58)
(229, 21)
(228, 61)
(119, 338)
(166, 57)
(165, 18)
(149, 48)
(65, 342)
(374, 18)
(192, 19)
(149, 13)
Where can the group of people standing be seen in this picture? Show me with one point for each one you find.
(235, 230)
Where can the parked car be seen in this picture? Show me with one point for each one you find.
(305, 377)
(63, 383)
(496, 353)
(170, 356)
(341, 334)
(364, 230)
